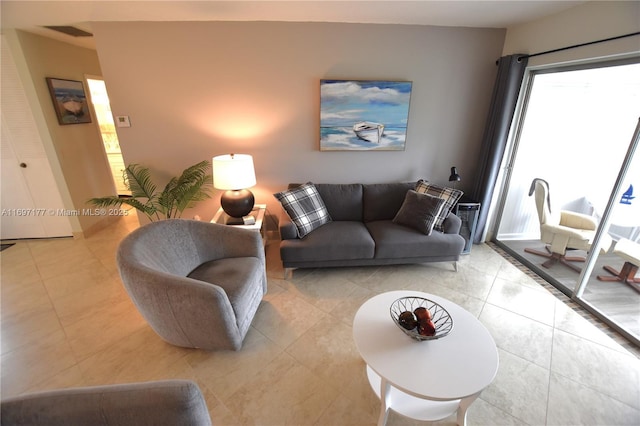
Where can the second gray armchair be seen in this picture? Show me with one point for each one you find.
(197, 284)
(156, 403)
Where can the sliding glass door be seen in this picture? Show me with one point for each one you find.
(610, 284)
(573, 132)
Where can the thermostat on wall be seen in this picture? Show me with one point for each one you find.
(123, 121)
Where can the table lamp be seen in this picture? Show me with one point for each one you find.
(234, 173)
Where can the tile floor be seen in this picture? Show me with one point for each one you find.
(67, 321)
(619, 301)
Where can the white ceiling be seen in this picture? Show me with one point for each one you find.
(32, 15)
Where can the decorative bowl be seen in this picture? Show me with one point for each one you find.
(439, 315)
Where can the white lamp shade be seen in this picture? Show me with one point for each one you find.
(233, 171)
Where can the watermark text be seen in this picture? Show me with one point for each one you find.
(64, 212)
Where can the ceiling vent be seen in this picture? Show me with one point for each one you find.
(69, 30)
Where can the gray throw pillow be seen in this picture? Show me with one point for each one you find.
(419, 211)
(305, 208)
(449, 195)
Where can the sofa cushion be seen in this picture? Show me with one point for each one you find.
(381, 201)
(343, 201)
(305, 207)
(419, 211)
(336, 240)
(449, 195)
(395, 241)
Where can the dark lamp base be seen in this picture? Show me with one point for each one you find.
(237, 203)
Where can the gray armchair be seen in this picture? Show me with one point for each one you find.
(197, 284)
(165, 402)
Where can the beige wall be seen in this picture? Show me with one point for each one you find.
(78, 147)
(194, 90)
(198, 89)
(581, 24)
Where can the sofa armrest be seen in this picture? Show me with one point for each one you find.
(287, 228)
(452, 224)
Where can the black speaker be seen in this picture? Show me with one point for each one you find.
(468, 214)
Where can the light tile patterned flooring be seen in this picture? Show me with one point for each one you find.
(67, 321)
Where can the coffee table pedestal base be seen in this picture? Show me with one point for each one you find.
(414, 407)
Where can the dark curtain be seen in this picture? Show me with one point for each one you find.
(494, 140)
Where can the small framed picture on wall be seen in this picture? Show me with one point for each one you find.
(69, 101)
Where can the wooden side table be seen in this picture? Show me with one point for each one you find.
(258, 213)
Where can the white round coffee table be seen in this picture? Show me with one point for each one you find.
(424, 380)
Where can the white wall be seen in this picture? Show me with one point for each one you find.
(581, 24)
(198, 89)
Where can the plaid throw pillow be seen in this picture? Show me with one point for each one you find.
(449, 195)
(305, 208)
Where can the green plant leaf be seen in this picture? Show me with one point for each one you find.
(166, 199)
(103, 202)
(197, 191)
(141, 186)
(147, 209)
(139, 182)
(192, 186)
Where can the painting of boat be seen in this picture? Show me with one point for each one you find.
(69, 101)
(73, 104)
(364, 115)
(369, 131)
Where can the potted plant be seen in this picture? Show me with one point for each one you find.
(181, 192)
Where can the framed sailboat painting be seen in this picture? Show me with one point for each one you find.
(69, 101)
(364, 115)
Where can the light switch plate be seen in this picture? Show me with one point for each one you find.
(123, 121)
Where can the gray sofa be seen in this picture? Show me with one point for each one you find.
(157, 403)
(362, 231)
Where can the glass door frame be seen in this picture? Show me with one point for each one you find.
(504, 181)
(603, 226)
